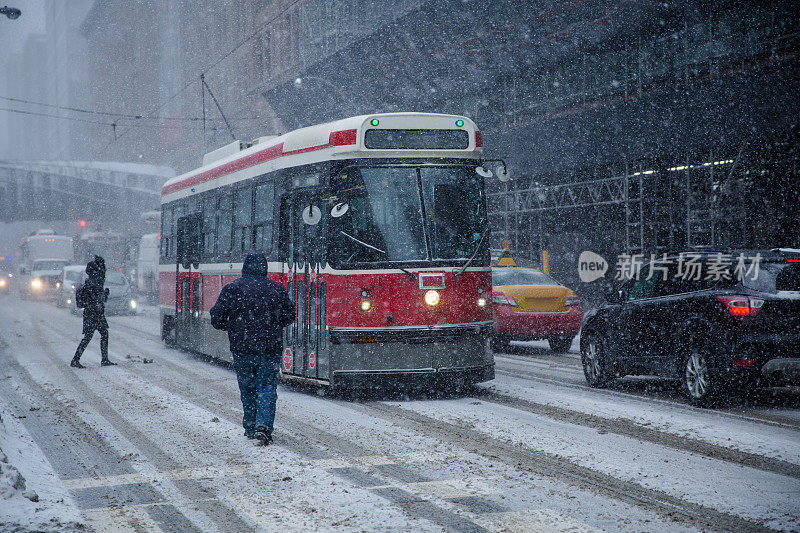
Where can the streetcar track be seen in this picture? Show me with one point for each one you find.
(545, 464)
(629, 428)
(760, 418)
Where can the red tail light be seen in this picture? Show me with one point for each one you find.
(741, 305)
(793, 260)
(499, 298)
(571, 299)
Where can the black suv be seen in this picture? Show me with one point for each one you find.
(723, 329)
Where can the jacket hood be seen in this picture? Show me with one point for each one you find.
(255, 265)
(96, 269)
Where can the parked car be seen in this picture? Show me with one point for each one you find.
(70, 278)
(530, 305)
(121, 294)
(715, 335)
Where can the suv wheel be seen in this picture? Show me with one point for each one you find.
(593, 357)
(699, 383)
(560, 344)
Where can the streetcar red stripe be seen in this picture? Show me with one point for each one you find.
(336, 138)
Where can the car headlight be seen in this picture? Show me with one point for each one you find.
(432, 297)
(2, 283)
(36, 283)
(133, 304)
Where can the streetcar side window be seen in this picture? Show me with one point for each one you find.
(209, 224)
(166, 236)
(243, 210)
(262, 218)
(224, 223)
(177, 212)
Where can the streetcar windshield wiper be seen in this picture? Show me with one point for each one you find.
(362, 242)
(359, 241)
(477, 249)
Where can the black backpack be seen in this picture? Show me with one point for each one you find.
(81, 297)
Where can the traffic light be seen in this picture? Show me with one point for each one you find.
(82, 223)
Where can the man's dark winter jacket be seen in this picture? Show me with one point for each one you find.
(94, 296)
(254, 310)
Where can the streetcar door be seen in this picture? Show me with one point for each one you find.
(301, 250)
(188, 257)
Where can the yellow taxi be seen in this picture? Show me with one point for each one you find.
(530, 305)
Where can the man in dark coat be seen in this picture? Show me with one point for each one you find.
(254, 310)
(92, 297)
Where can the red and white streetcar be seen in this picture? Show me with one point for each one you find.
(376, 224)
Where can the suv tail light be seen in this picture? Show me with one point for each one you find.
(499, 298)
(741, 305)
(571, 299)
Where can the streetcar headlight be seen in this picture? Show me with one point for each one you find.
(133, 304)
(366, 305)
(481, 302)
(36, 283)
(432, 297)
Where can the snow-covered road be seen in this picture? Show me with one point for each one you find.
(158, 445)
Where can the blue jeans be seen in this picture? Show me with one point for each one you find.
(258, 385)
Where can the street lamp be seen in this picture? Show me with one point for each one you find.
(11, 12)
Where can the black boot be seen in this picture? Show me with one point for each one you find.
(264, 436)
(76, 363)
(107, 362)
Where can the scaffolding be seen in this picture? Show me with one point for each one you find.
(679, 205)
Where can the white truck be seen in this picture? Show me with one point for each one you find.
(44, 254)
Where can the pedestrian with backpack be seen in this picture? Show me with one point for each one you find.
(92, 297)
(254, 310)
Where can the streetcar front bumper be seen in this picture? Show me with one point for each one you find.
(431, 378)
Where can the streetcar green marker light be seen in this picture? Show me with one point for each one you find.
(459, 123)
(375, 122)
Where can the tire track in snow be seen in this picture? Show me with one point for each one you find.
(544, 464)
(749, 415)
(629, 428)
(213, 511)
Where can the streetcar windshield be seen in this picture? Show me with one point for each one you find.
(407, 214)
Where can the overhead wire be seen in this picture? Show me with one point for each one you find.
(217, 62)
(117, 115)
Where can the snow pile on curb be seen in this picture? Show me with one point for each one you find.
(20, 505)
(11, 481)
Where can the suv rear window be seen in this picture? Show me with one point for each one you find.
(521, 277)
(773, 277)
